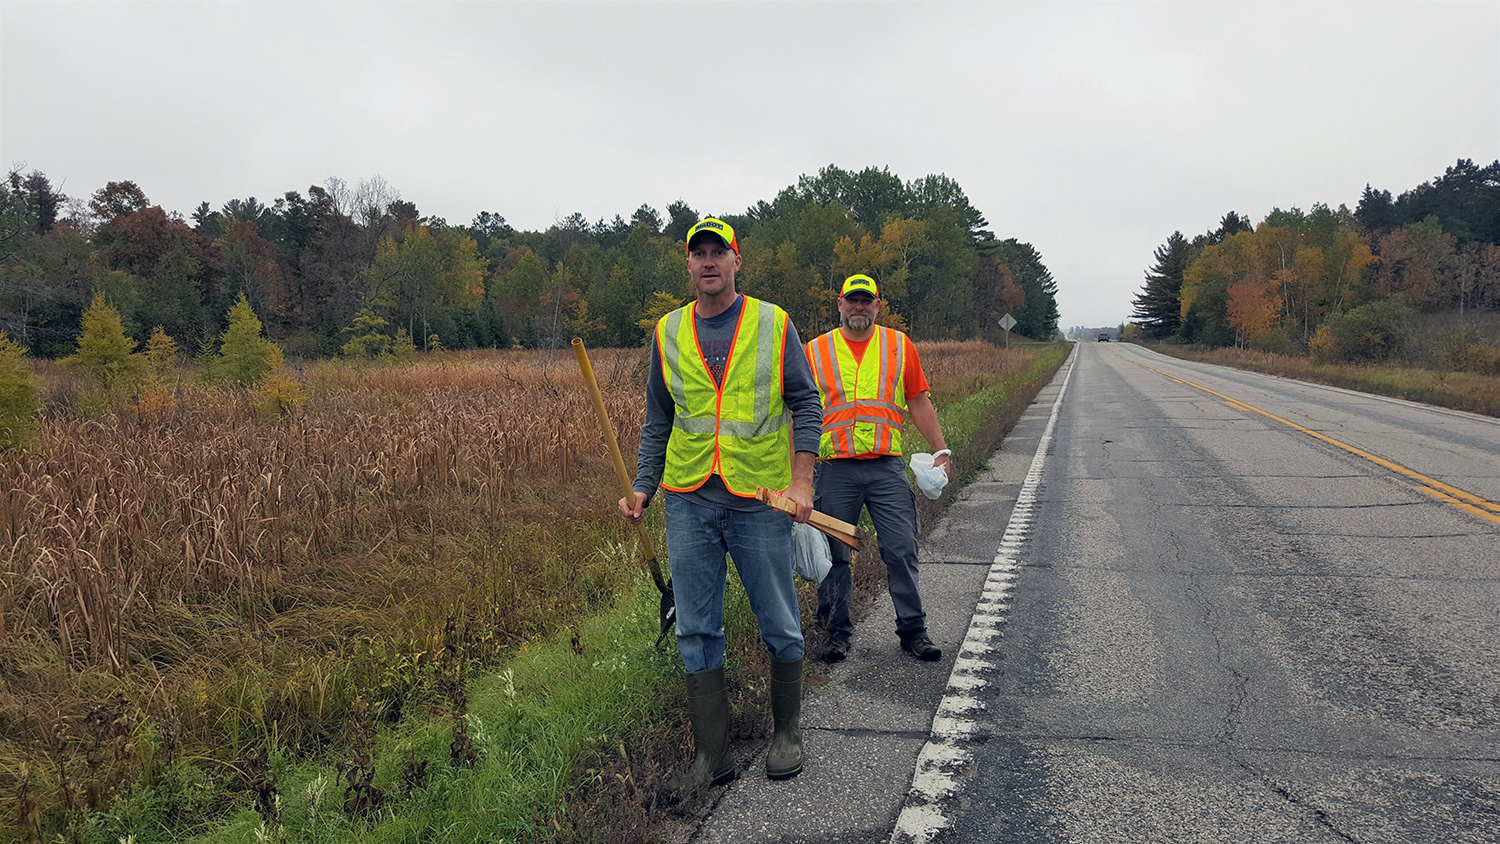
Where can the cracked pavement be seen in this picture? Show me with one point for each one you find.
(1217, 629)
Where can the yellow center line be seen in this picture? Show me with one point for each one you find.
(1462, 505)
(1467, 501)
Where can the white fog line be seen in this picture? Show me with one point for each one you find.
(937, 778)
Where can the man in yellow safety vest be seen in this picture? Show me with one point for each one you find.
(870, 378)
(730, 406)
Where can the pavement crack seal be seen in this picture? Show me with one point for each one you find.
(865, 732)
(1319, 816)
(936, 780)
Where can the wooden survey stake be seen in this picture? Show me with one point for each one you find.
(836, 528)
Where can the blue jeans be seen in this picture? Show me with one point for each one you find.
(761, 544)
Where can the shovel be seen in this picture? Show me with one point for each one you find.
(668, 604)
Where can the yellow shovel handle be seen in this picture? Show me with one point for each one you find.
(609, 438)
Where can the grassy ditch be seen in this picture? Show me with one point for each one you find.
(507, 762)
(1469, 391)
(407, 614)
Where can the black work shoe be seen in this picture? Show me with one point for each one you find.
(838, 649)
(923, 649)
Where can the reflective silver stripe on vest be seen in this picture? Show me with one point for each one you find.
(670, 326)
(730, 427)
(900, 382)
(837, 376)
(849, 423)
(746, 430)
(694, 424)
(829, 411)
(765, 357)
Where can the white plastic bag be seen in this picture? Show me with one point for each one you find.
(810, 556)
(930, 479)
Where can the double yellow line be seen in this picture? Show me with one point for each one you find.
(1446, 493)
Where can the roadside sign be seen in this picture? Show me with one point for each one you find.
(1007, 322)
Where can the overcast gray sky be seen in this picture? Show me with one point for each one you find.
(1091, 130)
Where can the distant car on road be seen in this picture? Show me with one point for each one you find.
(1103, 337)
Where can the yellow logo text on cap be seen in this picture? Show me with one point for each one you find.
(723, 230)
(860, 284)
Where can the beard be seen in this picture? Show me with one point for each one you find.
(858, 322)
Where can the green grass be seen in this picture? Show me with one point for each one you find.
(532, 724)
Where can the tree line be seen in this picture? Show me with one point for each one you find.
(1332, 282)
(357, 268)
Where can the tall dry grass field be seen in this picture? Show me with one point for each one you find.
(957, 369)
(191, 581)
(187, 589)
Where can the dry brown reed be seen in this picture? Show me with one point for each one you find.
(960, 368)
(233, 576)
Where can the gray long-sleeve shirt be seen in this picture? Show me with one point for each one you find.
(715, 336)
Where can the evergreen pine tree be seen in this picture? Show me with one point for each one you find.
(1037, 315)
(161, 352)
(161, 359)
(18, 404)
(1158, 307)
(245, 358)
(105, 353)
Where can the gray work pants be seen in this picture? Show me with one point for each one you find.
(844, 487)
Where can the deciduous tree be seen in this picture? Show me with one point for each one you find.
(1418, 266)
(778, 274)
(251, 269)
(660, 305)
(116, 199)
(1254, 308)
(422, 279)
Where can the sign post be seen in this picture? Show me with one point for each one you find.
(1007, 322)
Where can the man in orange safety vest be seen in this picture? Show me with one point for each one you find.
(869, 378)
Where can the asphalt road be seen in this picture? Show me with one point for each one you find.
(1188, 604)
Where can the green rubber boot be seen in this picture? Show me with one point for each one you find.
(708, 710)
(784, 759)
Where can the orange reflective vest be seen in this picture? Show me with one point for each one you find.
(864, 401)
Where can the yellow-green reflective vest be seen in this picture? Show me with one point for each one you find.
(741, 429)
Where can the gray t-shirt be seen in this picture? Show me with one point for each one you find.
(715, 337)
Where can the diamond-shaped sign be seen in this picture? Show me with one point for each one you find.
(1007, 322)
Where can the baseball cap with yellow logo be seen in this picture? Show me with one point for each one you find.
(716, 227)
(860, 284)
